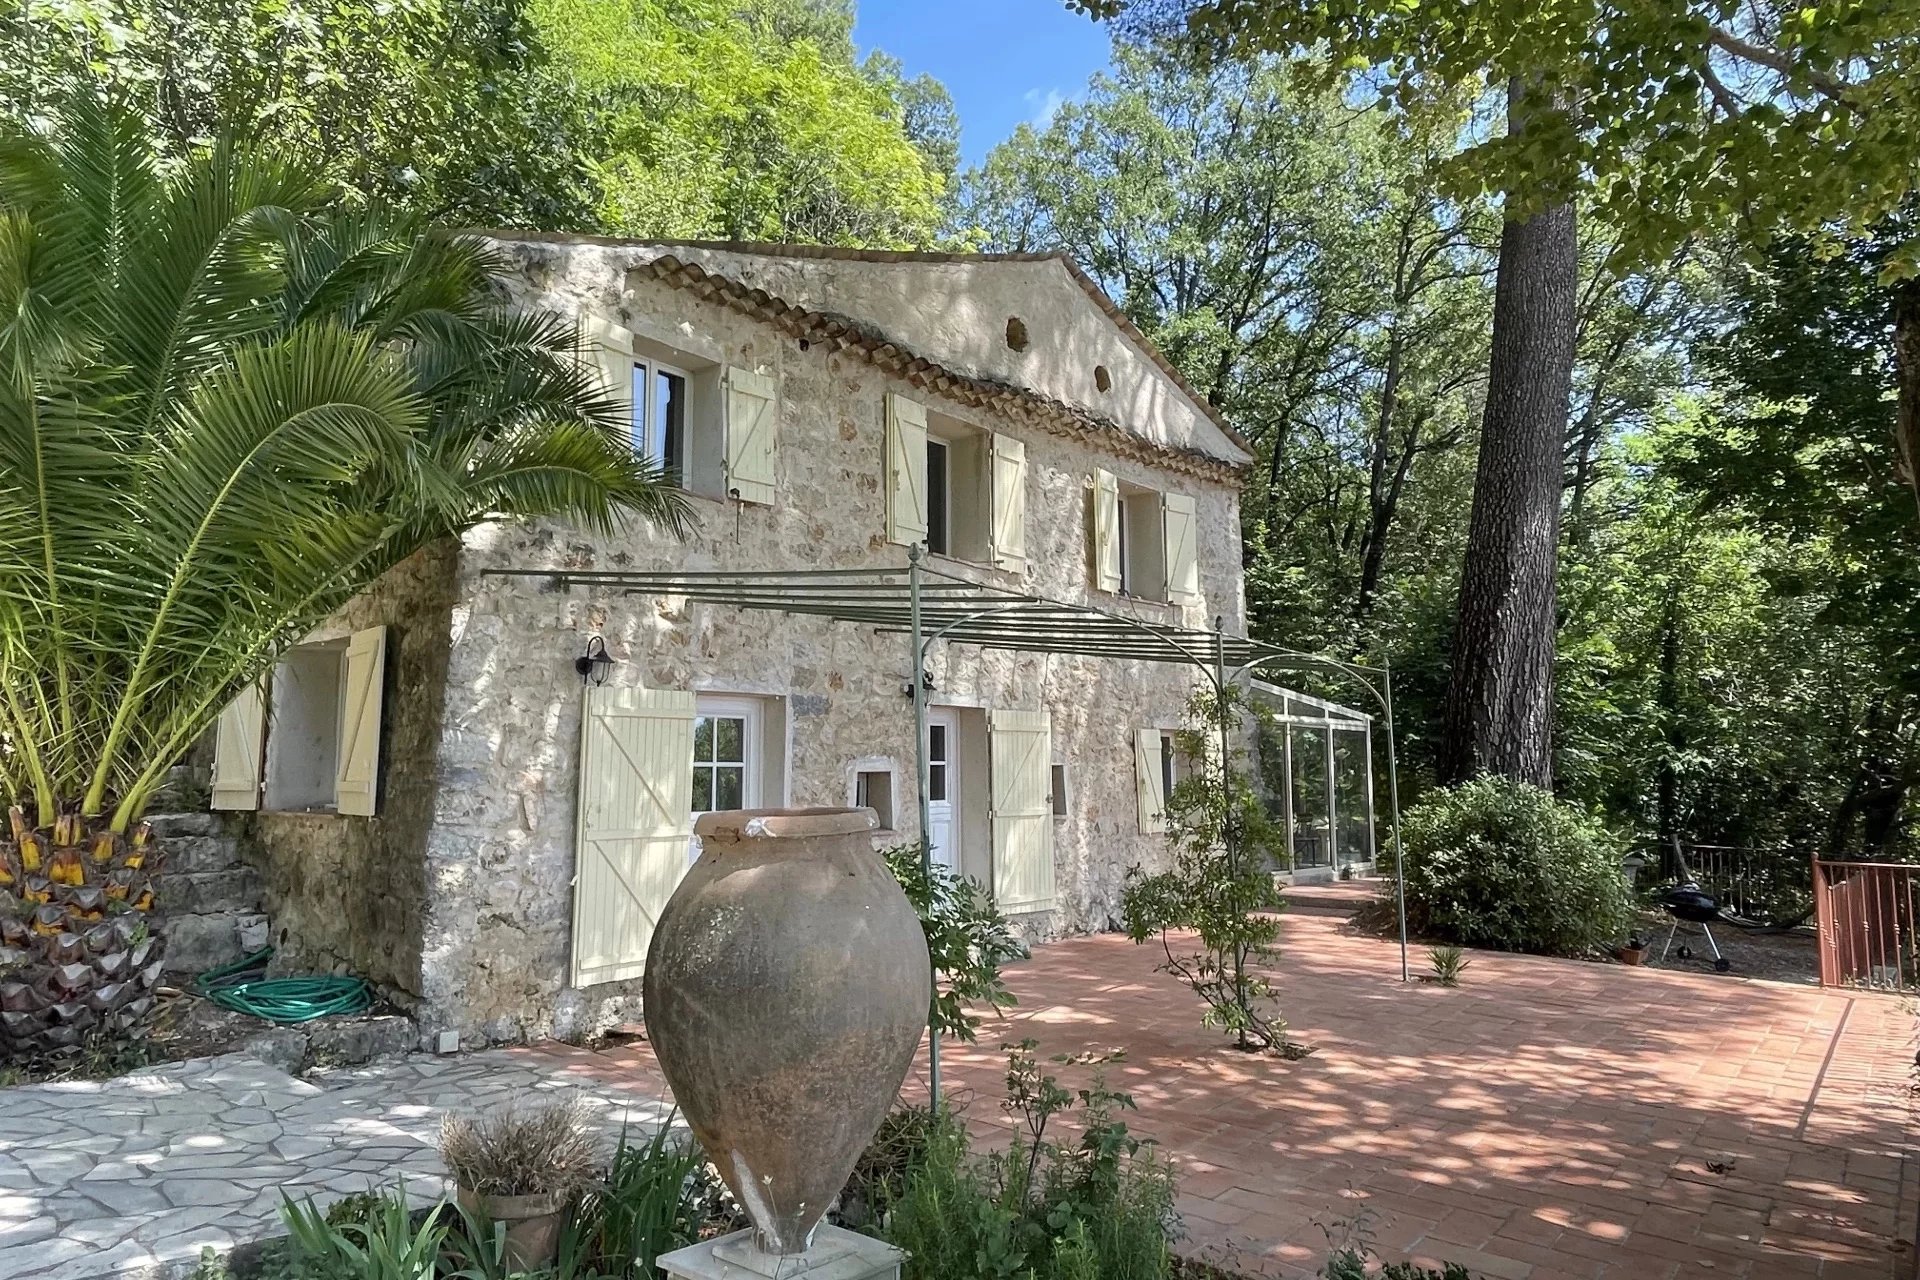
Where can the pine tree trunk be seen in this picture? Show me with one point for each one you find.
(1499, 706)
(1906, 362)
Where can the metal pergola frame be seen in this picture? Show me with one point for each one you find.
(928, 605)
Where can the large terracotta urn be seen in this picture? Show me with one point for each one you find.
(786, 991)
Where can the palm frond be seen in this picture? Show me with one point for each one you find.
(222, 415)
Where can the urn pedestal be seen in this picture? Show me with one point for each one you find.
(835, 1254)
(787, 988)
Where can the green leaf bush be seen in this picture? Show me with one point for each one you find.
(1500, 864)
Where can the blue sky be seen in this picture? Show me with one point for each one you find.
(1003, 61)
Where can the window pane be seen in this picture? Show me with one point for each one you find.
(937, 490)
(703, 791)
(936, 782)
(1167, 758)
(936, 742)
(702, 738)
(730, 737)
(863, 791)
(669, 416)
(645, 425)
(729, 785)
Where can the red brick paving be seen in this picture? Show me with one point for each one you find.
(1547, 1120)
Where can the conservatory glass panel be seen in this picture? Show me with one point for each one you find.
(1311, 847)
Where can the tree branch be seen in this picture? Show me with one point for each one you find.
(1775, 60)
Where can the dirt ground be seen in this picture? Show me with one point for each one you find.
(1774, 957)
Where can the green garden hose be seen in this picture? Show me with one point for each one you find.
(243, 987)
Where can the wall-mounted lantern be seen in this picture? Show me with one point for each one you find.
(594, 664)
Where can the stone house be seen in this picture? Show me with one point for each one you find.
(437, 800)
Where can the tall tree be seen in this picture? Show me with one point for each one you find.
(1499, 708)
(1671, 115)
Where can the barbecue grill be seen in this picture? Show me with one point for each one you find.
(1688, 903)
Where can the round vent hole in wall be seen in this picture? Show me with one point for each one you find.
(1101, 378)
(1016, 333)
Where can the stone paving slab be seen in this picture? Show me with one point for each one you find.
(131, 1178)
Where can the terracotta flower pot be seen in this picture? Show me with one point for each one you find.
(786, 991)
(1630, 955)
(532, 1222)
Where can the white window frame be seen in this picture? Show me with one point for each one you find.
(644, 428)
(1060, 778)
(752, 712)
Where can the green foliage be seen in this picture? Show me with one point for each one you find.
(649, 1204)
(1670, 116)
(1497, 863)
(968, 940)
(389, 1245)
(689, 118)
(1220, 885)
(473, 126)
(1351, 1264)
(1042, 1209)
(1448, 963)
(653, 1199)
(223, 415)
(754, 125)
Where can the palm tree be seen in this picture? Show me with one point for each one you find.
(224, 411)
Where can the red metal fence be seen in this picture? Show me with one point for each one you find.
(1866, 912)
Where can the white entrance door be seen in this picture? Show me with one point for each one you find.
(943, 786)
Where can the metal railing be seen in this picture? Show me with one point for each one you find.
(1767, 886)
(1866, 912)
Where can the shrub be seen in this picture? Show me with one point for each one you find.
(968, 940)
(1219, 888)
(1497, 863)
(1099, 1208)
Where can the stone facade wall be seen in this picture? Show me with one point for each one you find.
(347, 892)
(500, 850)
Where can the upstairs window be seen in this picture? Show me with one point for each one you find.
(713, 429)
(659, 415)
(960, 490)
(1143, 542)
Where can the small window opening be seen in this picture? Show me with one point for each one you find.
(1059, 789)
(1101, 378)
(873, 789)
(1017, 333)
(1168, 758)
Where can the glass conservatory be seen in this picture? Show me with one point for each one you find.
(1316, 769)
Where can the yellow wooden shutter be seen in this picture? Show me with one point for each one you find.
(906, 470)
(357, 780)
(239, 747)
(1009, 502)
(1106, 531)
(609, 351)
(635, 820)
(1149, 781)
(1178, 526)
(1020, 759)
(751, 414)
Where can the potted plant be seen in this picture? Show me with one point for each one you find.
(1634, 952)
(520, 1167)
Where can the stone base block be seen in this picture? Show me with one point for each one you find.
(837, 1254)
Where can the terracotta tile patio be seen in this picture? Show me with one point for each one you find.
(1546, 1120)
